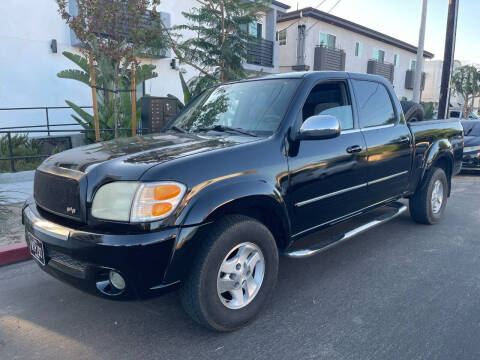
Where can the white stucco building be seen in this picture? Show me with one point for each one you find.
(29, 67)
(433, 79)
(346, 46)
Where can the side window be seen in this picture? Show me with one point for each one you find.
(374, 104)
(330, 99)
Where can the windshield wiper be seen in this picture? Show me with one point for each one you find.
(177, 128)
(225, 129)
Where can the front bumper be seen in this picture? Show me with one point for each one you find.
(84, 259)
(471, 161)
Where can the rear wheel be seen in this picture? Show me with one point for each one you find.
(234, 272)
(428, 204)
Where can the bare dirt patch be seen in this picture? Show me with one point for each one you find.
(11, 228)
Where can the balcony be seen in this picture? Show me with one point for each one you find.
(329, 59)
(383, 69)
(410, 80)
(260, 52)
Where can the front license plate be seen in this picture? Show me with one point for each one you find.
(36, 249)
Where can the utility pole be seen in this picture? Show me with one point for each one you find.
(448, 59)
(419, 66)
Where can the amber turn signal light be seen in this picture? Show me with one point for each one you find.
(165, 192)
(161, 208)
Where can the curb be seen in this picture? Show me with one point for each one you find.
(14, 253)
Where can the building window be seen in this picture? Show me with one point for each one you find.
(255, 29)
(379, 55)
(396, 60)
(358, 49)
(327, 40)
(282, 37)
(413, 64)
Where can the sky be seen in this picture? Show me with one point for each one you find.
(401, 19)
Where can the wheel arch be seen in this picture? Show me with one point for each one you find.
(257, 200)
(440, 155)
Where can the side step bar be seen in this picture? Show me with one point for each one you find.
(398, 209)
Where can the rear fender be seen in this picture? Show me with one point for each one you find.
(439, 152)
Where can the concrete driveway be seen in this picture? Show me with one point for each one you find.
(401, 291)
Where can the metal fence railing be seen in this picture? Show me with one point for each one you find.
(49, 129)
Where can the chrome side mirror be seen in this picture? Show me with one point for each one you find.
(319, 127)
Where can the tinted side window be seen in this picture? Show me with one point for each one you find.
(374, 104)
(330, 99)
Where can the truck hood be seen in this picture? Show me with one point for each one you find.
(129, 158)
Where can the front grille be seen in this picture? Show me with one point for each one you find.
(58, 194)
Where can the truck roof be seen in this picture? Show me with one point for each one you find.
(324, 75)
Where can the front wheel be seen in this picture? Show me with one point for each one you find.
(428, 204)
(233, 274)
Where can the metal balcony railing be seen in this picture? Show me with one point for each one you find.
(383, 69)
(329, 59)
(260, 52)
(410, 80)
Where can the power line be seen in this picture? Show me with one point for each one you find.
(296, 22)
(334, 6)
(328, 12)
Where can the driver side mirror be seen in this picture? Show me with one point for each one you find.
(319, 127)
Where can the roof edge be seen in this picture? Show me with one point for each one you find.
(280, 4)
(349, 25)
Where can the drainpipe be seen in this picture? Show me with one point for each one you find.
(301, 46)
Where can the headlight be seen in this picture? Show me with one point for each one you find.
(155, 201)
(471, 148)
(137, 202)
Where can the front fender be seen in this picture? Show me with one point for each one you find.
(204, 206)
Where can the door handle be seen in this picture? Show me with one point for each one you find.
(404, 139)
(354, 149)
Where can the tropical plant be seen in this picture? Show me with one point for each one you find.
(115, 33)
(220, 46)
(466, 83)
(105, 98)
(192, 88)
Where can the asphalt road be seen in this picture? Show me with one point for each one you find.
(400, 291)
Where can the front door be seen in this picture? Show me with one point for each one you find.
(328, 178)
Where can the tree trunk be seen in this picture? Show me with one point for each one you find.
(94, 98)
(134, 101)
(115, 101)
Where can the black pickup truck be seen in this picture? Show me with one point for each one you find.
(240, 175)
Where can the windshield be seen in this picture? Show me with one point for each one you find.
(256, 107)
(471, 128)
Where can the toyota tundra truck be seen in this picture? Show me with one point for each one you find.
(243, 173)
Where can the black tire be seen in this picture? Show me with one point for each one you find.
(421, 209)
(413, 112)
(199, 291)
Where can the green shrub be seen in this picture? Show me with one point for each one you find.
(429, 111)
(22, 145)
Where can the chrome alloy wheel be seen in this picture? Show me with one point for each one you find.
(437, 196)
(241, 275)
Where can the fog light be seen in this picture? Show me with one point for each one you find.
(116, 280)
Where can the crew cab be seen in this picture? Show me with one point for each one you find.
(235, 180)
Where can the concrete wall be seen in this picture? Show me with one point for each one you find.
(346, 40)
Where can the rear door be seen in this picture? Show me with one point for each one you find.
(328, 177)
(388, 139)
